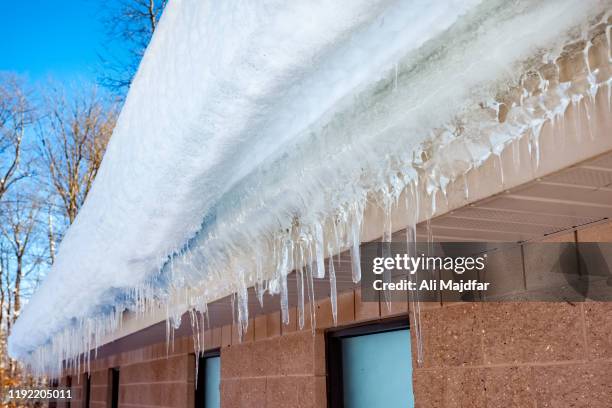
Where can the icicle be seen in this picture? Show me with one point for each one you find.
(355, 242)
(284, 299)
(168, 328)
(243, 303)
(319, 250)
(536, 131)
(413, 296)
(195, 332)
(387, 227)
(281, 273)
(333, 293)
(411, 246)
(259, 284)
(311, 298)
(387, 275)
(300, 293)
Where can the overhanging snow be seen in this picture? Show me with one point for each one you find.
(254, 133)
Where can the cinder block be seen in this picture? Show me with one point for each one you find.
(208, 339)
(226, 335)
(98, 393)
(324, 316)
(265, 357)
(346, 307)
(451, 335)
(509, 387)
(243, 393)
(146, 394)
(274, 324)
(236, 361)
(573, 385)
(282, 392)
(311, 392)
(98, 378)
(365, 310)
(176, 395)
(449, 388)
(230, 393)
(598, 317)
(428, 388)
(532, 332)
(260, 327)
(297, 354)
(216, 337)
(164, 369)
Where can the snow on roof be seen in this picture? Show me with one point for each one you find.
(254, 133)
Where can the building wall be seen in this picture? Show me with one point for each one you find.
(533, 354)
(149, 377)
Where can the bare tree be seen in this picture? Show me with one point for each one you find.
(15, 117)
(131, 23)
(4, 284)
(19, 232)
(74, 133)
(51, 234)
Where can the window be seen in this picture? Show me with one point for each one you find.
(370, 366)
(113, 374)
(209, 380)
(68, 388)
(86, 390)
(54, 384)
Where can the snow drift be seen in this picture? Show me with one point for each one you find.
(255, 132)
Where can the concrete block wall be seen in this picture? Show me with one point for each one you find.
(516, 355)
(149, 377)
(281, 371)
(520, 354)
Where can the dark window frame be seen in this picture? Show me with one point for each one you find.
(54, 384)
(113, 387)
(69, 389)
(200, 389)
(86, 390)
(333, 351)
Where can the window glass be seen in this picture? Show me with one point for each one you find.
(207, 393)
(212, 371)
(377, 370)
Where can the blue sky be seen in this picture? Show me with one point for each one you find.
(57, 39)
